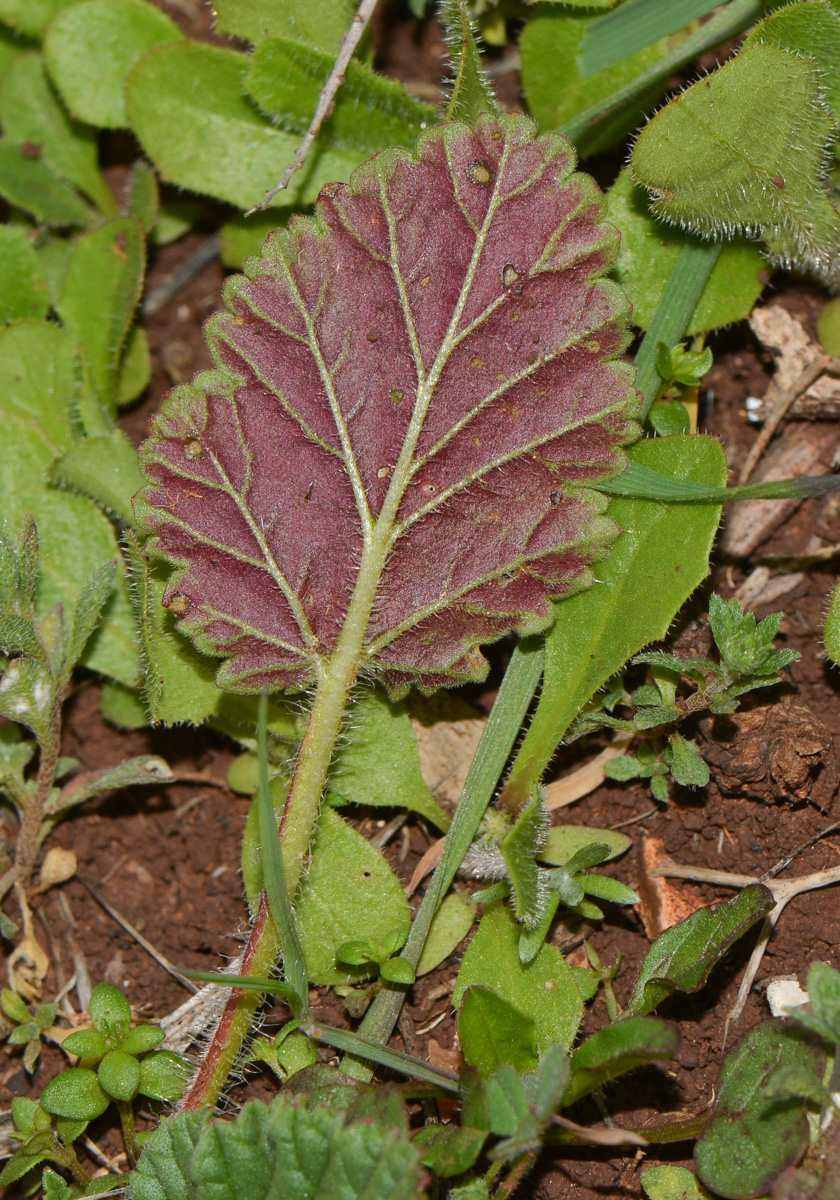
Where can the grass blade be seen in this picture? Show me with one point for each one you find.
(634, 26)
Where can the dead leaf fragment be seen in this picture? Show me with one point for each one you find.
(448, 731)
(779, 331)
(663, 904)
(58, 866)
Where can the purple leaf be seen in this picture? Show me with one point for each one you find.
(412, 392)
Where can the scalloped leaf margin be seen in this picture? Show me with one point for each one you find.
(413, 394)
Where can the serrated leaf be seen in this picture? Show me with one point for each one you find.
(32, 115)
(742, 150)
(23, 288)
(555, 88)
(302, 1152)
(101, 290)
(90, 49)
(371, 112)
(187, 105)
(544, 989)
(379, 439)
(471, 90)
(31, 185)
(619, 1048)
(321, 23)
(682, 957)
(753, 1136)
(648, 254)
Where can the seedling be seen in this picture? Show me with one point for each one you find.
(30, 1027)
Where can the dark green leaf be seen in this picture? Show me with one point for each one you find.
(518, 848)
(682, 957)
(28, 183)
(619, 1048)
(449, 1149)
(119, 1074)
(687, 765)
(752, 1136)
(86, 1043)
(321, 23)
(23, 288)
(109, 1009)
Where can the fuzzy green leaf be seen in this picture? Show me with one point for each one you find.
(109, 1009)
(119, 1074)
(30, 16)
(163, 1076)
(672, 1183)
(619, 1048)
(142, 195)
(88, 610)
(32, 115)
(187, 105)
(544, 989)
(101, 290)
(90, 49)
(649, 252)
(75, 1093)
(380, 764)
(653, 568)
(321, 23)
(753, 1135)
(682, 957)
(449, 1149)
(142, 1038)
(23, 288)
(471, 90)
(86, 1043)
(135, 366)
(810, 29)
(103, 468)
(742, 150)
(518, 848)
(285, 1148)
(28, 183)
(687, 765)
(285, 78)
(492, 1032)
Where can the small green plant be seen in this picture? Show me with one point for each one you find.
(120, 1061)
(30, 1027)
(748, 661)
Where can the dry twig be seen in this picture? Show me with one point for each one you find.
(326, 100)
(781, 405)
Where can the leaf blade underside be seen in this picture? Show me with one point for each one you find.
(412, 392)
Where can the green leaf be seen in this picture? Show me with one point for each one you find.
(492, 1032)
(687, 765)
(518, 848)
(142, 1038)
(349, 887)
(23, 288)
(321, 23)
(75, 1093)
(109, 1009)
(35, 1151)
(31, 185)
(544, 989)
(88, 610)
(563, 842)
(651, 570)
(507, 1101)
(177, 215)
(380, 764)
(303, 1153)
(14, 1007)
(101, 290)
(398, 970)
(30, 16)
(824, 994)
(103, 468)
(619, 1048)
(285, 78)
(119, 1074)
(634, 26)
(163, 1076)
(122, 706)
(672, 1183)
(753, 1136)
(742, 150)
(471, 90)
(809, 29)
(450, 925)
(241, 237)
(75, 536)
(55, 1188)
(682, 957)
(449, 1149)
(141, 198)
(90, 49)
(555, 87)
(32, 115)
(649, 252)
(187, 106)
(135, 369)
(604, 887)
(86, 1043)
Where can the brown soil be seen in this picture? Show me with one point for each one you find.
(168, 858)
